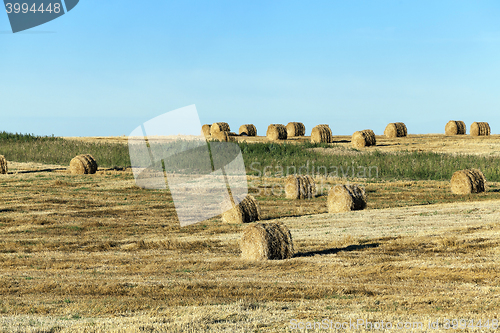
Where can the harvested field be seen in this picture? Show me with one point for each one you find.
(98, 253)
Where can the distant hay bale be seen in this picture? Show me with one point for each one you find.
(248, 130)
(3, 165)
(223, 136)
(395, 130)
(295, 129)
(344, 198)
(455, 127)
(321, 134)
(205, 130)
(300, 187)
(219, 127)
(276, 132)
(246, 211)
(468, 181)
(266, 241)
(83, 165)
(363, 138)
(480, 129)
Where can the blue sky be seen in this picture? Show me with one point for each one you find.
(108, 66)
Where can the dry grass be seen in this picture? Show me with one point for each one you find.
(295, 129)
(248, 130)
(455, 127)
(205, 130)
(300, 187)
(364, 138)
(246, 211)
(3, 165)
(480, 129)
(219, 127)
(99, 254)
(276, 132)
(266, 241)
(395, 130)
(344, 198)
(468, 181)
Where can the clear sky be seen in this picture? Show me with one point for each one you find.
(108, 66)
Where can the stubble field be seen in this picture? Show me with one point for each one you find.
(96, 253)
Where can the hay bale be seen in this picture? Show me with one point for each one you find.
(468, 181)
(480, 129)
(246, 211)
(223, 136)
(205, 130)
(344, 198)
(219, 127)
(248, 130)
(395, 130)
(83, 165)
(321, 134)
(455, 127)
(276, 132)
(295, 129)
(266, 241)
(3, 165)
(363, 138)
(300, 187)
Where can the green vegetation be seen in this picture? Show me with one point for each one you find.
(54, 150)
(276, 157)
(393, 166)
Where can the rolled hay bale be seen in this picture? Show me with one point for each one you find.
(480, 129)
(219, 127)
(276, 132)
(321, 134)
(266, 241)
(300, 187)
(363, 138)
(468, 181)
(344, 198)
(455, 127)
(223, 136)
(395, 130)
(295, 129)
(246, 211)
(205, 130)
(3, 165)
(248, 130)
(83, 165)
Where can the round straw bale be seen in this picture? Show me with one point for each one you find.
(295, 129)
(455, 127)
(248, 130)
(344, 198)
(219, 127)
(205, 130)
(83, 164)
(363, 138)
(3, 165)
(223, 136)
(276, 132)
(468, 181)
(266, 241)
(300, 187)
(480, 129)
(395, 130)
(246, 211)
(321, 134)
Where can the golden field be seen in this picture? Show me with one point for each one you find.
(96, 253)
